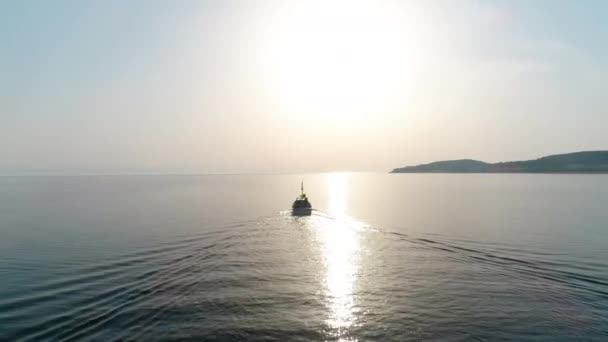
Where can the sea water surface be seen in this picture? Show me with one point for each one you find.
(384, 257)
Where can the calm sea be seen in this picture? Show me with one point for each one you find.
(382, 258)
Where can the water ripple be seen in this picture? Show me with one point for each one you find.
(315, 278)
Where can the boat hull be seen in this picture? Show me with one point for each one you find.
(301, 211)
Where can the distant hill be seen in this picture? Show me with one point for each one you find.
(578, 162)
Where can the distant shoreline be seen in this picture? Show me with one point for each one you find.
(586, 162)
(505, 173)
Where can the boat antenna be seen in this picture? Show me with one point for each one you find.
(302, 187)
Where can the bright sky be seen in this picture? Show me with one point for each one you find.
(296, 86)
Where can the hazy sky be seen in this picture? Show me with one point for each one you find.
(288, 86)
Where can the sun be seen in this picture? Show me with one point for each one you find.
(335, 59)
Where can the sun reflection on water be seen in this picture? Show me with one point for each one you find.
(339, 242)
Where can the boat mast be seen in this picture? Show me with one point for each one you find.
(302, 187)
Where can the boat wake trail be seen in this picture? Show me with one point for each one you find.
(531, 265)
(242, 281)
(526, 263)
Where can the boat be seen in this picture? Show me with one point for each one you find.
(301, 206)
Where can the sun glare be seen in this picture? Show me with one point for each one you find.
(339, 242)
(336, 59)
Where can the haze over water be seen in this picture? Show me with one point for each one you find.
(289, 86)
(382, 258)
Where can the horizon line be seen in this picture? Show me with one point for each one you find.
(92, 174)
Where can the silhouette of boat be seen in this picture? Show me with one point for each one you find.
(301, 206)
